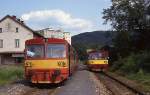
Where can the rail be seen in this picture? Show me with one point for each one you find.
(117, 86)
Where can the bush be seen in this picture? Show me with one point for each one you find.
(129, 65)
(10, 73)
(135, 67)
(133, 63)
(144, 61)
(117, 64)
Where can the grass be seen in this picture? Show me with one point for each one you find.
(143, 79)
(10, 73)
(135, 67)
(140, 78)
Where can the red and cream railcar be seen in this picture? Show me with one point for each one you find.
(49, 60)
(97, 60)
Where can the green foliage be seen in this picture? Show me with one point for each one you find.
(130, 19)
(122, 43)
(10, 73)
(117, 64)
(126, 15)
(81, 50)
(135, 67)
(130, 64)
(141, 77)
(140, 72)
(144, 61)
(135, 63)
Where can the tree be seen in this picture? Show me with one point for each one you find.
(81, 51)
(131, 19)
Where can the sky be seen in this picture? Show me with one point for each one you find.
(75, 16)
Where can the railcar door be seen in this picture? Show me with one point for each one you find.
(69, 59)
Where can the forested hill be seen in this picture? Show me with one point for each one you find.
(93, 39)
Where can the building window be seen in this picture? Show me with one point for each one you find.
(1, 43)
(17, 30)
(17, 43)
(0, 30)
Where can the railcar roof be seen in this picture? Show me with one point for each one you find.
(47, 40)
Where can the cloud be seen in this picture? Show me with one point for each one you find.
(56, 18)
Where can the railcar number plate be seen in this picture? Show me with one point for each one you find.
(61, 63)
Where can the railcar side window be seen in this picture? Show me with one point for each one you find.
(35, 51)
(56, 51)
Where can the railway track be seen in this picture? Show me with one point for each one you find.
(116, 86)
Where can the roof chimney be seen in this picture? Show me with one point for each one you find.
(14, 17)
(22, 21)
(19, 20)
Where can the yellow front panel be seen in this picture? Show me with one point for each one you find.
(97, 61)
(46, 64)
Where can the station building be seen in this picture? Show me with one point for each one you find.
(13, 34)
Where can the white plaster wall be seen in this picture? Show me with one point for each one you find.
(9, 35)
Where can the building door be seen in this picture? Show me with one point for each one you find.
(19, 60)
(0, 59)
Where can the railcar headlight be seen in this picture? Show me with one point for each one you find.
(105, 62)
(91, 62)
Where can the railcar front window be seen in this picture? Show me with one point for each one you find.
(35, 51)
(56, 51)
(95, 56)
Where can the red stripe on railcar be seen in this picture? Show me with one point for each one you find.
(35, 41)
(54, 40)
(98, 66)
(48, 75)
